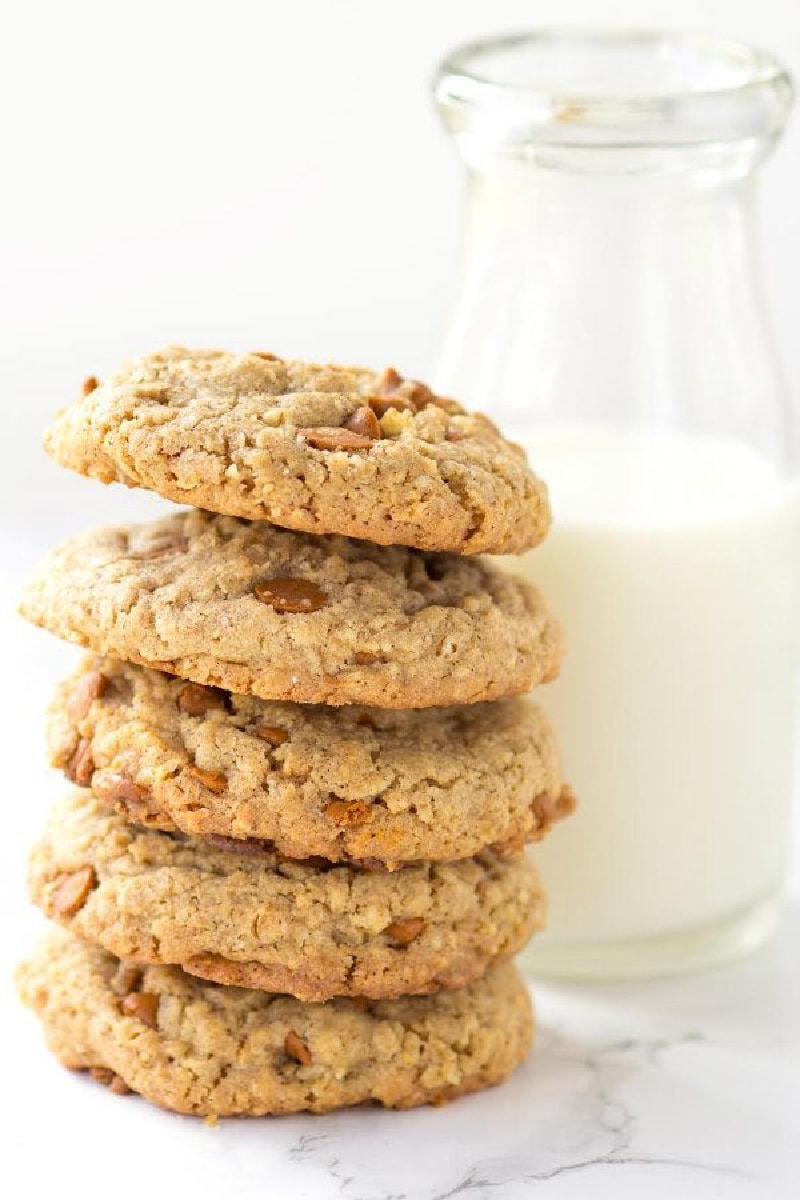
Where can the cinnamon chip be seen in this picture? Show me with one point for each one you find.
(196, 700)
(291, 595)
(351, 813)
(336, 438)
(143, 1006)
(79, 768)
(380, 405)
(126, 979)
(547, 809)
(297, 1049)
(215, 781)
(121, 791)
(118, 1086)
(393, 391)
(88, 688)
(90, 385)
(389, 381)
(270, 733)
(265, 354)
(364, 422)
(73, 891)
(419, 394)
(405, 930)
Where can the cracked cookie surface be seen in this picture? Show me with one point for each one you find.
(311, 929)
(347, 784)
(322, 449)
(195, 1048)
(281, 615)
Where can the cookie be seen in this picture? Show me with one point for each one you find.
(263, 611)
(347, 784)
(190, 1046)
(309, 928)
(320, 449)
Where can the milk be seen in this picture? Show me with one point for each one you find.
(674, 564)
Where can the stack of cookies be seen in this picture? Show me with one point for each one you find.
(292, 871)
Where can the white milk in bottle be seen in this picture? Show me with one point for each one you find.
(611, 317)
(674, 563)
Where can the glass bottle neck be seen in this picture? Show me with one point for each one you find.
(629, 300)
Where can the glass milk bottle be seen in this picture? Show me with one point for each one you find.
(611, 319)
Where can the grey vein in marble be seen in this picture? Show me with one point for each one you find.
(662, 1078)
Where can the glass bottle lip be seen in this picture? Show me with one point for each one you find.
(623, 88)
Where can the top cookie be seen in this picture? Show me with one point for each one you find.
(321, 449)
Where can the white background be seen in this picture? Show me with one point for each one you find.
(242, 174)
(251, 173)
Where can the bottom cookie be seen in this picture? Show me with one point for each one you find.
(201, 1048)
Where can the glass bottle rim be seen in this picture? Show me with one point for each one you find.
(554, 85)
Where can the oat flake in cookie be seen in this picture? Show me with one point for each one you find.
(281, 615)
(348, 784)
(322, 449)
(312, 929)
(195, 1048)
